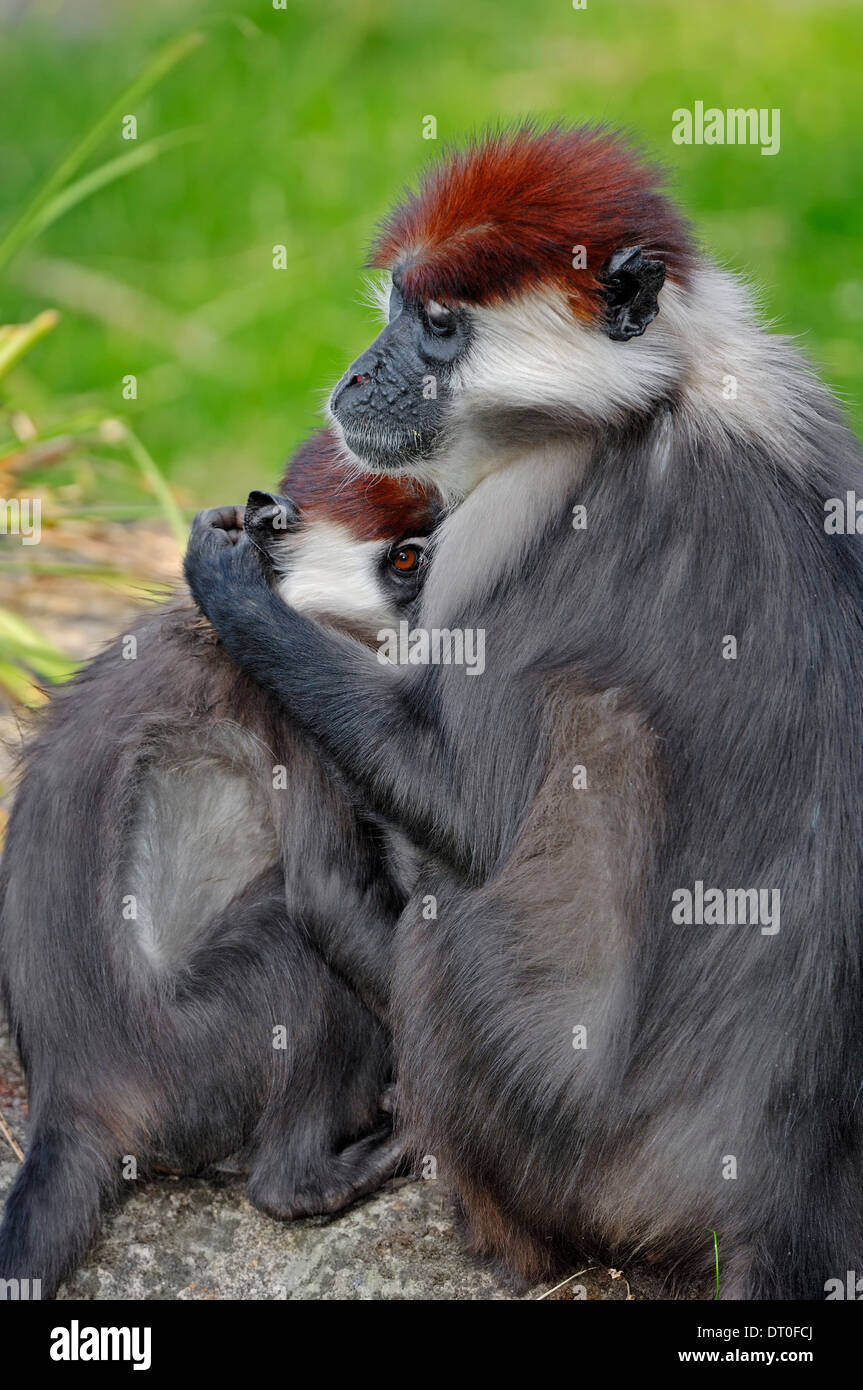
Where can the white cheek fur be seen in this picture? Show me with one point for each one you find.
(534, 353)
(327, 572)
(707, 350)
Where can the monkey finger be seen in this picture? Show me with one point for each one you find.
(225, 524)
(208, 554)
(236, 516)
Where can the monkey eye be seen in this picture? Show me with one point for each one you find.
(441, 320)
(407, 556)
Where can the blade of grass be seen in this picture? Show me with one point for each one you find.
(17, 338)
(7, 1133)
(152, 475)
(132, 311)
(23, 644)
(167, 58)
(78, 425)
(127, 581)
(107, 173)
(17, 684)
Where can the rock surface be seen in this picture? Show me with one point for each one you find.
(198, 1238)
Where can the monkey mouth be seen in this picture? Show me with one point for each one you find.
(385, 449)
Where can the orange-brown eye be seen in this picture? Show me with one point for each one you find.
(406, 558)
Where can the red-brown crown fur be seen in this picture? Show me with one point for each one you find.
(375, 508)
(503, 215)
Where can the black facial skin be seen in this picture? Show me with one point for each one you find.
(383, 402)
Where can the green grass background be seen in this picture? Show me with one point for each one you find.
(314, 122)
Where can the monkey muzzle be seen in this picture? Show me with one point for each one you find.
(389, 403)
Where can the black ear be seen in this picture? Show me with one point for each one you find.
(632, 288)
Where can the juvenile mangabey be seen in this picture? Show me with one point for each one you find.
(175, 847)
(638, 494)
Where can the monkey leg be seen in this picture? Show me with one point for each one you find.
(325, 1140)
(800, 1252)
(331, 1184)
(52, 1212)
(212, 1082)
(275, 1055)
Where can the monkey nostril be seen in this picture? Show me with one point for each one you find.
(348, 380)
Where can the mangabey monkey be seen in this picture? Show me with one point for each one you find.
(642, 498)
(174, 847)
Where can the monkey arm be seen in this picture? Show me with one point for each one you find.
(377, 721)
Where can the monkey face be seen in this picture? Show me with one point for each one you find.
(324, 568)
(392, 403)
(447, 388)
(526, 268)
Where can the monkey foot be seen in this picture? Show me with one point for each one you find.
(340, 1180)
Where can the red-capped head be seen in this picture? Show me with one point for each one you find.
(346, 547)
(521, 272)
(326, 488)
(526, 209)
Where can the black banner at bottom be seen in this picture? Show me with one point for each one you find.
(65, 1338)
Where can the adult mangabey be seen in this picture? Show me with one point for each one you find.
(643, 543)
(175, 845)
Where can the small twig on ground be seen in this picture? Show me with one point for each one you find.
(619, 1274)
(568, 1280)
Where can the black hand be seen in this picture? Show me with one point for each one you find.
(219, 569)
